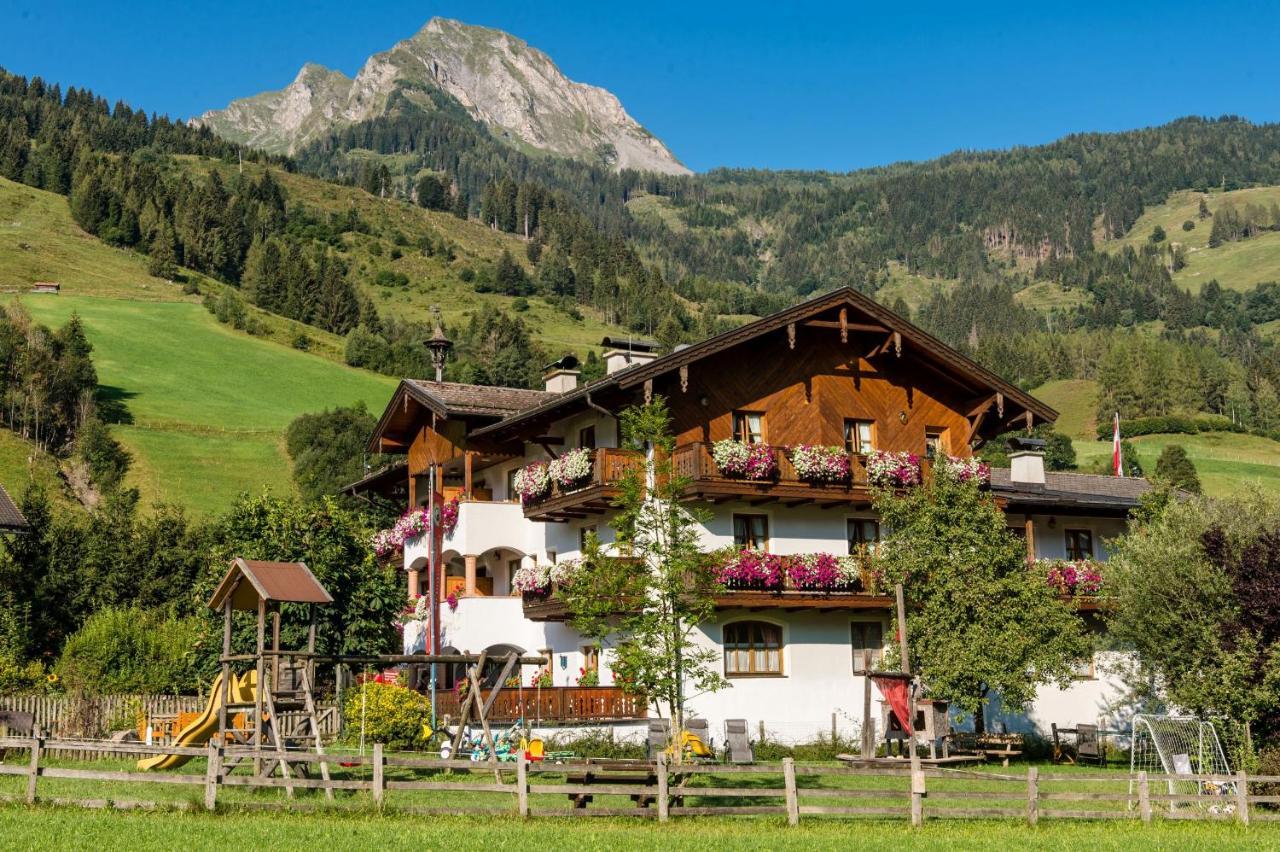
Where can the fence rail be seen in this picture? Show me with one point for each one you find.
(66, 716)
(659, 789)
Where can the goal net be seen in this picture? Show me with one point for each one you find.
(1174, 746)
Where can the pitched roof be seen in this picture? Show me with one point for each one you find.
(910, 334)
(1083, 490)
(285, 582)
(454, 397)
(11, 517)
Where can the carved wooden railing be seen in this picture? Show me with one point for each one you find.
(608, 466)
(554, 704)
(695, 462)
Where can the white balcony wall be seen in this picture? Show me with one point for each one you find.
(480, 623)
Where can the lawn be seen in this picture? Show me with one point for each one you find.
(1076, 401)
(1225, 461)
(205, 405)
(67, 828)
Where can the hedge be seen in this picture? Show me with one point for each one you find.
(1173, 424)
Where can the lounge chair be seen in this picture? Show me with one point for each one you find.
(737, 746)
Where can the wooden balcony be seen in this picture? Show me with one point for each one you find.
(757, 599)
(548, 607)
(694, 462)
(554, 704)
(591, 497)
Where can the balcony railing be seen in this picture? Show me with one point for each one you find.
(592, 495)
(554, 704)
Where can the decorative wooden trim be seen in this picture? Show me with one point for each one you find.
(684, 378)
(844, 325)
(648, 391)
(791, 335)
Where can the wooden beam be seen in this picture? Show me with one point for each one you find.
(848, 326)
(791, 504)
(545, 440)
(844, 325)
(760, 501)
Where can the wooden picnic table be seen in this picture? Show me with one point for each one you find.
(613, 773)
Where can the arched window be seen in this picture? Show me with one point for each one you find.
(752, 648)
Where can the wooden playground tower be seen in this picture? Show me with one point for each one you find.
(282, 681)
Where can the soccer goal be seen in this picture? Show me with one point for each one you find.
(1182, 745)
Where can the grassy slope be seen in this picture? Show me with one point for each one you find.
(208, 404)
(1237, 265)
(432, 280)
(1225, 461)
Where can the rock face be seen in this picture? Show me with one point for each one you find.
(514, 89)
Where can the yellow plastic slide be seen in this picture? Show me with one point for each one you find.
(205, 725)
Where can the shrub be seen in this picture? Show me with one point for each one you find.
(301, 341)
(133, 650)
(1188, 225)
(22, 678)
(389, 714)
(598, 743)
(821, 749)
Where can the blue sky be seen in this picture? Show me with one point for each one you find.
(770, 85)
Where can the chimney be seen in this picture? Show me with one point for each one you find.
(561, 376)
(1026, 461)
(620, 354)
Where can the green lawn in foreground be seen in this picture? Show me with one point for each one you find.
(46, 827)
(1225, 461)
(208, 404)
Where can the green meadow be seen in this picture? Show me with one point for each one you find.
(203, 406)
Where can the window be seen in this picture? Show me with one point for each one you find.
(935, 442)
(591, 658)
(1084, 669)
(1079, 544)
(857, 437)
(511, 483)
(751, 532)
(582, 536)
(752, 648)
(513, 565)
(867, 641)
(863, 535)
(587, 438)
(748, 427)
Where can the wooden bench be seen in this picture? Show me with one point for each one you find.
(988, 746)
(638, 773)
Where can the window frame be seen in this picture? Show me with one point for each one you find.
(941, 445)
(741, 427)
(749, 517)
(853, 437)
(755, 653)
(849, 525)
(877, 654)
(1076, 532)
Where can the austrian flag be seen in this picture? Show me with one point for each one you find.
(1117, 455)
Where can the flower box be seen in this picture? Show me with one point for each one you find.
(739, 460)
(1073, 577)
(893, 470)
(533, 482)
(965, 469)
(821, 465)
(571, 469)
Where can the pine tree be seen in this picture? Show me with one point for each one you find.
(163, 262)
(1176, 468)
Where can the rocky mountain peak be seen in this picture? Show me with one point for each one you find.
(513, 88)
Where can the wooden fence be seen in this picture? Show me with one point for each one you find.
(66, 716)
(660, 790)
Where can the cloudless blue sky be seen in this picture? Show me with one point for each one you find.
(834, 86)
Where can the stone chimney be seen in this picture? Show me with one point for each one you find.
(561, 376)
(1026, 461)
(621, 359)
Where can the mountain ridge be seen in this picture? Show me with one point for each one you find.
(514, 89)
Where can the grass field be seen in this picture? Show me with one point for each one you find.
(1076, 401)
(207, 404)
(23, 828)
(1237, 265)
(1226, 462)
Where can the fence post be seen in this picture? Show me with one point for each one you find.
(1033, 795)
(793, 798)
(379, 776)
(212, 775)
(664, 804)
(522, 784)
(1144, 796)
(917, 786)
(37, 744)
(1242, 797)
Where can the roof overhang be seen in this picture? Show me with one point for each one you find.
(897, 331)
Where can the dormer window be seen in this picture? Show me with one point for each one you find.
(748, 427)
(858, 437)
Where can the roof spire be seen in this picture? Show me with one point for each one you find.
(439, 344)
